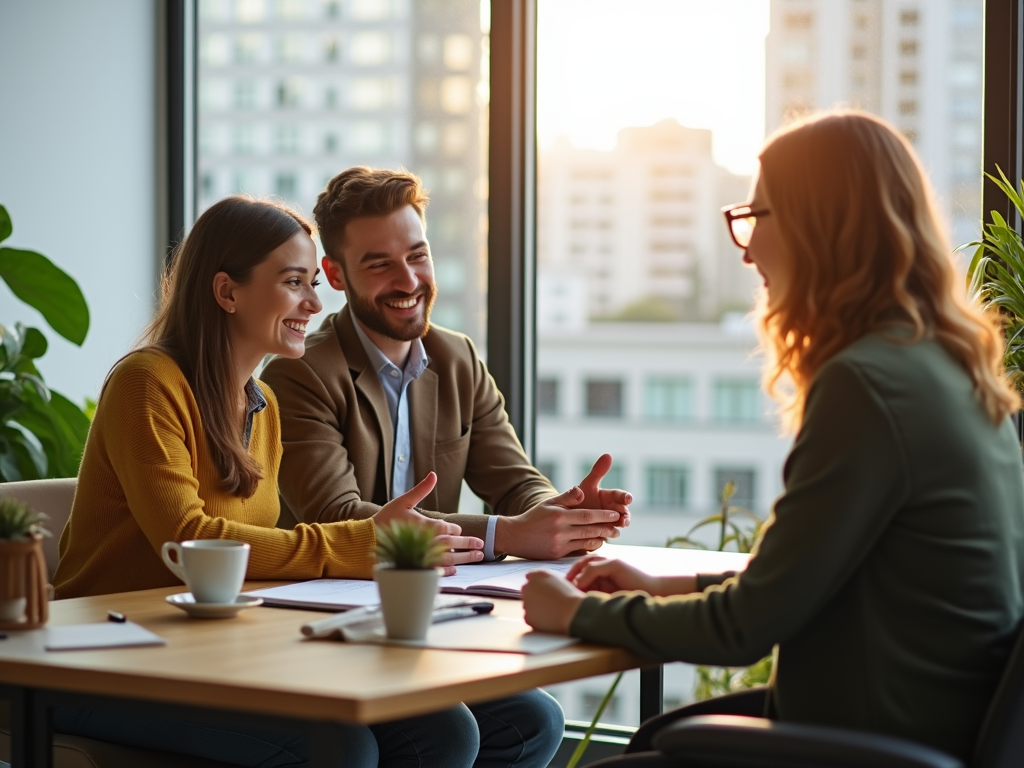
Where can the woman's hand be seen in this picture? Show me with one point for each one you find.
(550, 602)
(599, 574)
(467, 549)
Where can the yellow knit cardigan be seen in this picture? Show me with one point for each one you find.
(147, 477)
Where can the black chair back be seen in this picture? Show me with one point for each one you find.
(1001, 739)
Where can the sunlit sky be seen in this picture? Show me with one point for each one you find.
(604, 65)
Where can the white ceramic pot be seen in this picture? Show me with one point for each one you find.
(407, 600)
(12, 610)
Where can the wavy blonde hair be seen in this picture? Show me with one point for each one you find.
(860, 230)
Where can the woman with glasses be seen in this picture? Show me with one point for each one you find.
(890, 575)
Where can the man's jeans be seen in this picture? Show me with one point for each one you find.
(522, 731)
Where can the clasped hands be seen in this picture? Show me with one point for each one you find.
(550, 601)
(577, 521)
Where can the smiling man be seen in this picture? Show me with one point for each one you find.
(381, 397)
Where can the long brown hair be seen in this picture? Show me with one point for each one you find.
(233, 235)
(861, 234)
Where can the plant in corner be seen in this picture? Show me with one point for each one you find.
(717, 681)
(407, 576)
(995, 276)
(23, 603)
(42, 433)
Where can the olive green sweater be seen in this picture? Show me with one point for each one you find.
(891, 571)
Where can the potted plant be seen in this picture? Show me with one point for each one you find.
(406, 574)
(996, 276)
(23, 602)
(42, 433)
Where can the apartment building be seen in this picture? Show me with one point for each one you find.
(917, 63)
(293, 91)
(641, 222)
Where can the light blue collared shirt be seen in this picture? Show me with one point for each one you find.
(395, 382)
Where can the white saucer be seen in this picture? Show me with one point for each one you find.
(188, 604)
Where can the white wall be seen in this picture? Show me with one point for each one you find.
(78, 166)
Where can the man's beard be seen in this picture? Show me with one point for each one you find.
(372, 316)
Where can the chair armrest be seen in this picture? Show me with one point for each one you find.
(754, 742)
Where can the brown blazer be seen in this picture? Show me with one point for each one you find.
(338, 438)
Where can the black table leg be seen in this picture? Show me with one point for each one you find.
(652, 691)
(31, 729)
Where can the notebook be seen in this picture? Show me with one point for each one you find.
(499, 579)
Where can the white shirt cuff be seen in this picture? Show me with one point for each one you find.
(492, 524)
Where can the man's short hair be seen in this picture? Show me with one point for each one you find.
(363, 191)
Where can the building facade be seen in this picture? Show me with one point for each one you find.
(291, 92)
(916, 63)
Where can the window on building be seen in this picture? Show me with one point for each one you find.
(547, 397)
(908, 77)
(799, 20)
(604, 397)
(667, 486)
(736, 401)
(909, 18)
(908, 47)
(668, 399)
(743, 478)
(286, 185)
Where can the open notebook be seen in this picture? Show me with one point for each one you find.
(500, 579)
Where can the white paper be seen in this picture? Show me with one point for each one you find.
(329, 594)
(505, 577)
(107, 634)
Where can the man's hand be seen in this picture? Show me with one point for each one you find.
(554, 529)
(596, 497)
(467, 549)
(550, 602)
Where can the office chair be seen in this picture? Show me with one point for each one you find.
(54, 498)
(720, 741)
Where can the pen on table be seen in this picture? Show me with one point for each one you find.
(117, 617)
(459, 612)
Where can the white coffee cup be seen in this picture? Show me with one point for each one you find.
(213, 569)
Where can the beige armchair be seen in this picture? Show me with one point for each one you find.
(54, 498)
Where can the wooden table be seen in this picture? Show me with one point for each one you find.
(260, 665)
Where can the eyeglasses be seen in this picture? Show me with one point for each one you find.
(741, 219)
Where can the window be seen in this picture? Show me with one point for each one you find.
(668, 399)
(908, 47)
(286, 185)
(330, 84)
(667, 486)
(604, 398)
(743, 478)
(908, 18)
(736, 401)
(547, 397)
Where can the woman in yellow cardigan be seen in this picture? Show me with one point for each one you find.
(186, 444)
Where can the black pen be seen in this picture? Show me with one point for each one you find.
(117, 617)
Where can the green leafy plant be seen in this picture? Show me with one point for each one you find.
(577, 754)
(407, 546)
(740, 527)
(995, 276)
(18, 521)
(42, 433)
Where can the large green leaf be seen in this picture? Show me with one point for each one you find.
(5, 224)
(20, 457)
(43, 285)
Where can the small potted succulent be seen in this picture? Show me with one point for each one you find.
(406, 574)
(22, 565)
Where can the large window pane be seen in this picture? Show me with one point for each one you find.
(292, 92)
(650, 117)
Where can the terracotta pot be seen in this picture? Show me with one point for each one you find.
(407, 600)
(23, 603)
